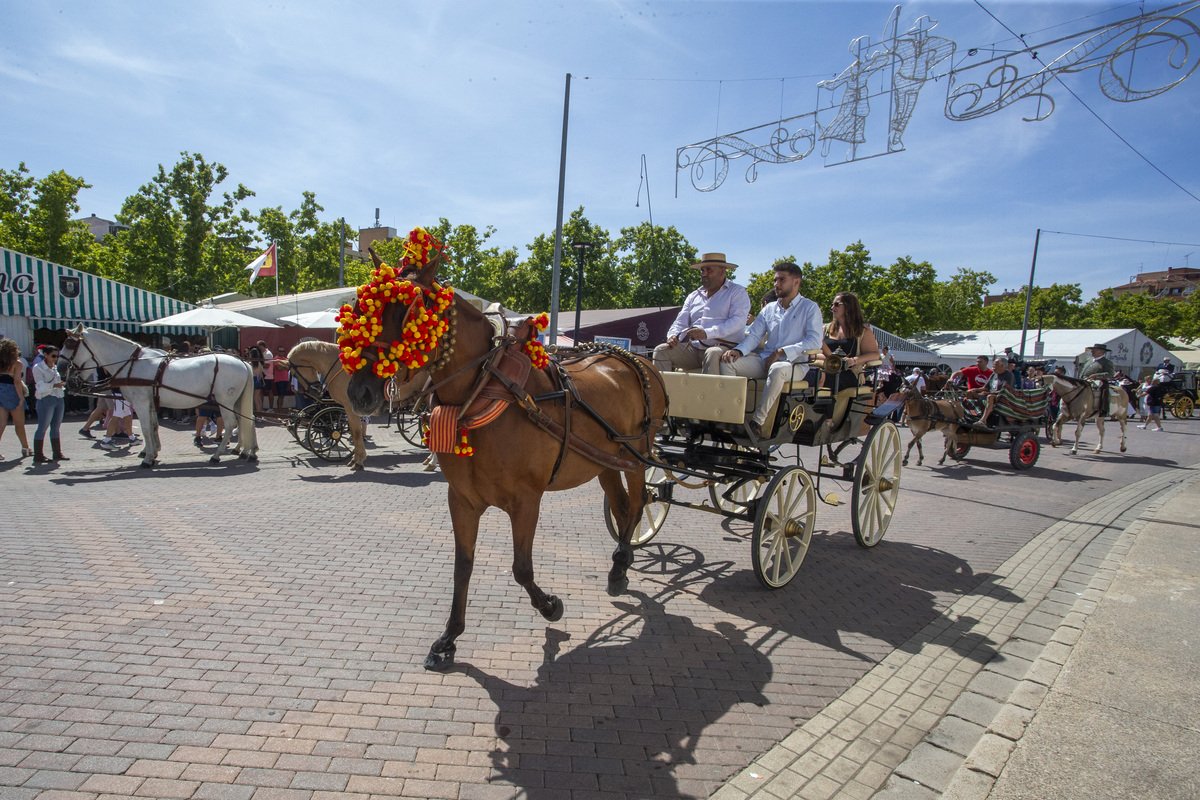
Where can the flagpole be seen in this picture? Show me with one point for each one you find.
(275, 253)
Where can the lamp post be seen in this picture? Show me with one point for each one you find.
(581, 249)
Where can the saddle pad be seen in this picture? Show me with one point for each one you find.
(443, 429)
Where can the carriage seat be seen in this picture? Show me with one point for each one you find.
(864, 393)
(718, 398)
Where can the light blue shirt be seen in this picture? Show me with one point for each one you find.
(722, 316)
(794, 329)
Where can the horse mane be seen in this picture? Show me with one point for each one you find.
(309, 349)
(130, 342)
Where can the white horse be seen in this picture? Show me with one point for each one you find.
(149, 379)
(1080, 401)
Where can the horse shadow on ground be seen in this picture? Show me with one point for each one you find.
(617, 715)
(845, 595)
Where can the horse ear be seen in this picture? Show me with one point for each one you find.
(427, 274)
(375, 256)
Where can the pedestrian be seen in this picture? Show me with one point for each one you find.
(1154, 403)
(282, 382)
(120, 421)
(51, 404)
(12, 393)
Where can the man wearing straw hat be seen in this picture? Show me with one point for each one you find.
(713, 318)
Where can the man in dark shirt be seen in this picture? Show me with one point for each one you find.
(1003, 376)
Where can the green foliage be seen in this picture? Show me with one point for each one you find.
(1158, 319)
(655, 266)
(1057, 306)
(35, 215)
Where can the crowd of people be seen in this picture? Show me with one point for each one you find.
(37, 388)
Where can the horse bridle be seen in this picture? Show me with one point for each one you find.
(70, 350)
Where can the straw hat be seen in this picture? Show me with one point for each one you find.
(714, 260)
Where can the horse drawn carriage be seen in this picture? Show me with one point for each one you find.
(1182, 396)
(708, 444)
(1019, 416)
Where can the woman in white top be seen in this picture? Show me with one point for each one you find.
(51, 404)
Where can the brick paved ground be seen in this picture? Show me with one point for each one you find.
(244, 631)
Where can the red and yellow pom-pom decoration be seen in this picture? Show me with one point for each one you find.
(463, 448)
(423, 328)
(533, 347)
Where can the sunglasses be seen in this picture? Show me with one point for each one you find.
(837, 302)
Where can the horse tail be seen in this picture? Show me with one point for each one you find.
(247, 435)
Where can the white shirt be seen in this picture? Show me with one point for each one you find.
(794, 329)
(45, 376)
(722, 316)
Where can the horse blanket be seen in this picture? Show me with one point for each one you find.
(1019, 404)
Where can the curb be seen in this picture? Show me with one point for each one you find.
(939, 716)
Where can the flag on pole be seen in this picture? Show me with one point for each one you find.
(264, 265)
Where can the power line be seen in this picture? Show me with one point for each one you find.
(1089, 109)
(1123, 239)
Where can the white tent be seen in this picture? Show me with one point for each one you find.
(1132, 352)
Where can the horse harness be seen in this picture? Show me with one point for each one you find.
(501, 382)
(116, 381)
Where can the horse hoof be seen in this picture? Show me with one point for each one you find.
(142, 454)
(1122, 448)
(553, 610)
(147, 464)
(439, 662)
(617, 587)
(214, 459)
(253, 459)
(243, 455)
(357, 467)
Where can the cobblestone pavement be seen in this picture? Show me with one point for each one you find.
(257, 631)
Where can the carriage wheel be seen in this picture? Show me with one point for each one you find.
(408, 422)
(1182, 407)
(876, 484)
(960, 452)
(329, 434)
(299, 425)
(1024, 451)
(742, 494)
(783, 526)
(654, 514)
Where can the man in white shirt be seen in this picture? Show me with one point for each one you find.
(786, 329)
(712, 318)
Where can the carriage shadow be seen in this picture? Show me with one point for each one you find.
(896, 590)
(617, 715)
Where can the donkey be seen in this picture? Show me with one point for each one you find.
(925, 415)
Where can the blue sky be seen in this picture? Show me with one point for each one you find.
(455, 110)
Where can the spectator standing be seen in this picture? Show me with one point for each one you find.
(1154, 404)
(51, 404)
(12, 393)
(282, 381)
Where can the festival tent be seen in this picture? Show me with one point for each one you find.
(1132, 351)
(35, 293)
(1187, 352)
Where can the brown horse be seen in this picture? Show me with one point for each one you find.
(516, 460)
(1080, 402)
(313, 358)
(925, 415)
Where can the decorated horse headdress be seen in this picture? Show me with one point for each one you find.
(426, 324)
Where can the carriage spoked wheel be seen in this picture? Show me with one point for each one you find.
(783, 526)
(408, 422)
(298, 425)
(654, 514)
(740, 496)
(1182, 407)
(876, 484)
(329, 434)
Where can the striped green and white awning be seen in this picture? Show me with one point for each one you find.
(57, 297)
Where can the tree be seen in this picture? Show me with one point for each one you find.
(168, 247)
(956, 303)
(655, 265)
(35, 216)
(1158, 319)
(1057, 306)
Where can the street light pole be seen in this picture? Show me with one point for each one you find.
(581, 249)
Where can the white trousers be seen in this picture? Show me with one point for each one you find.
(685, 357)
(753, 366)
